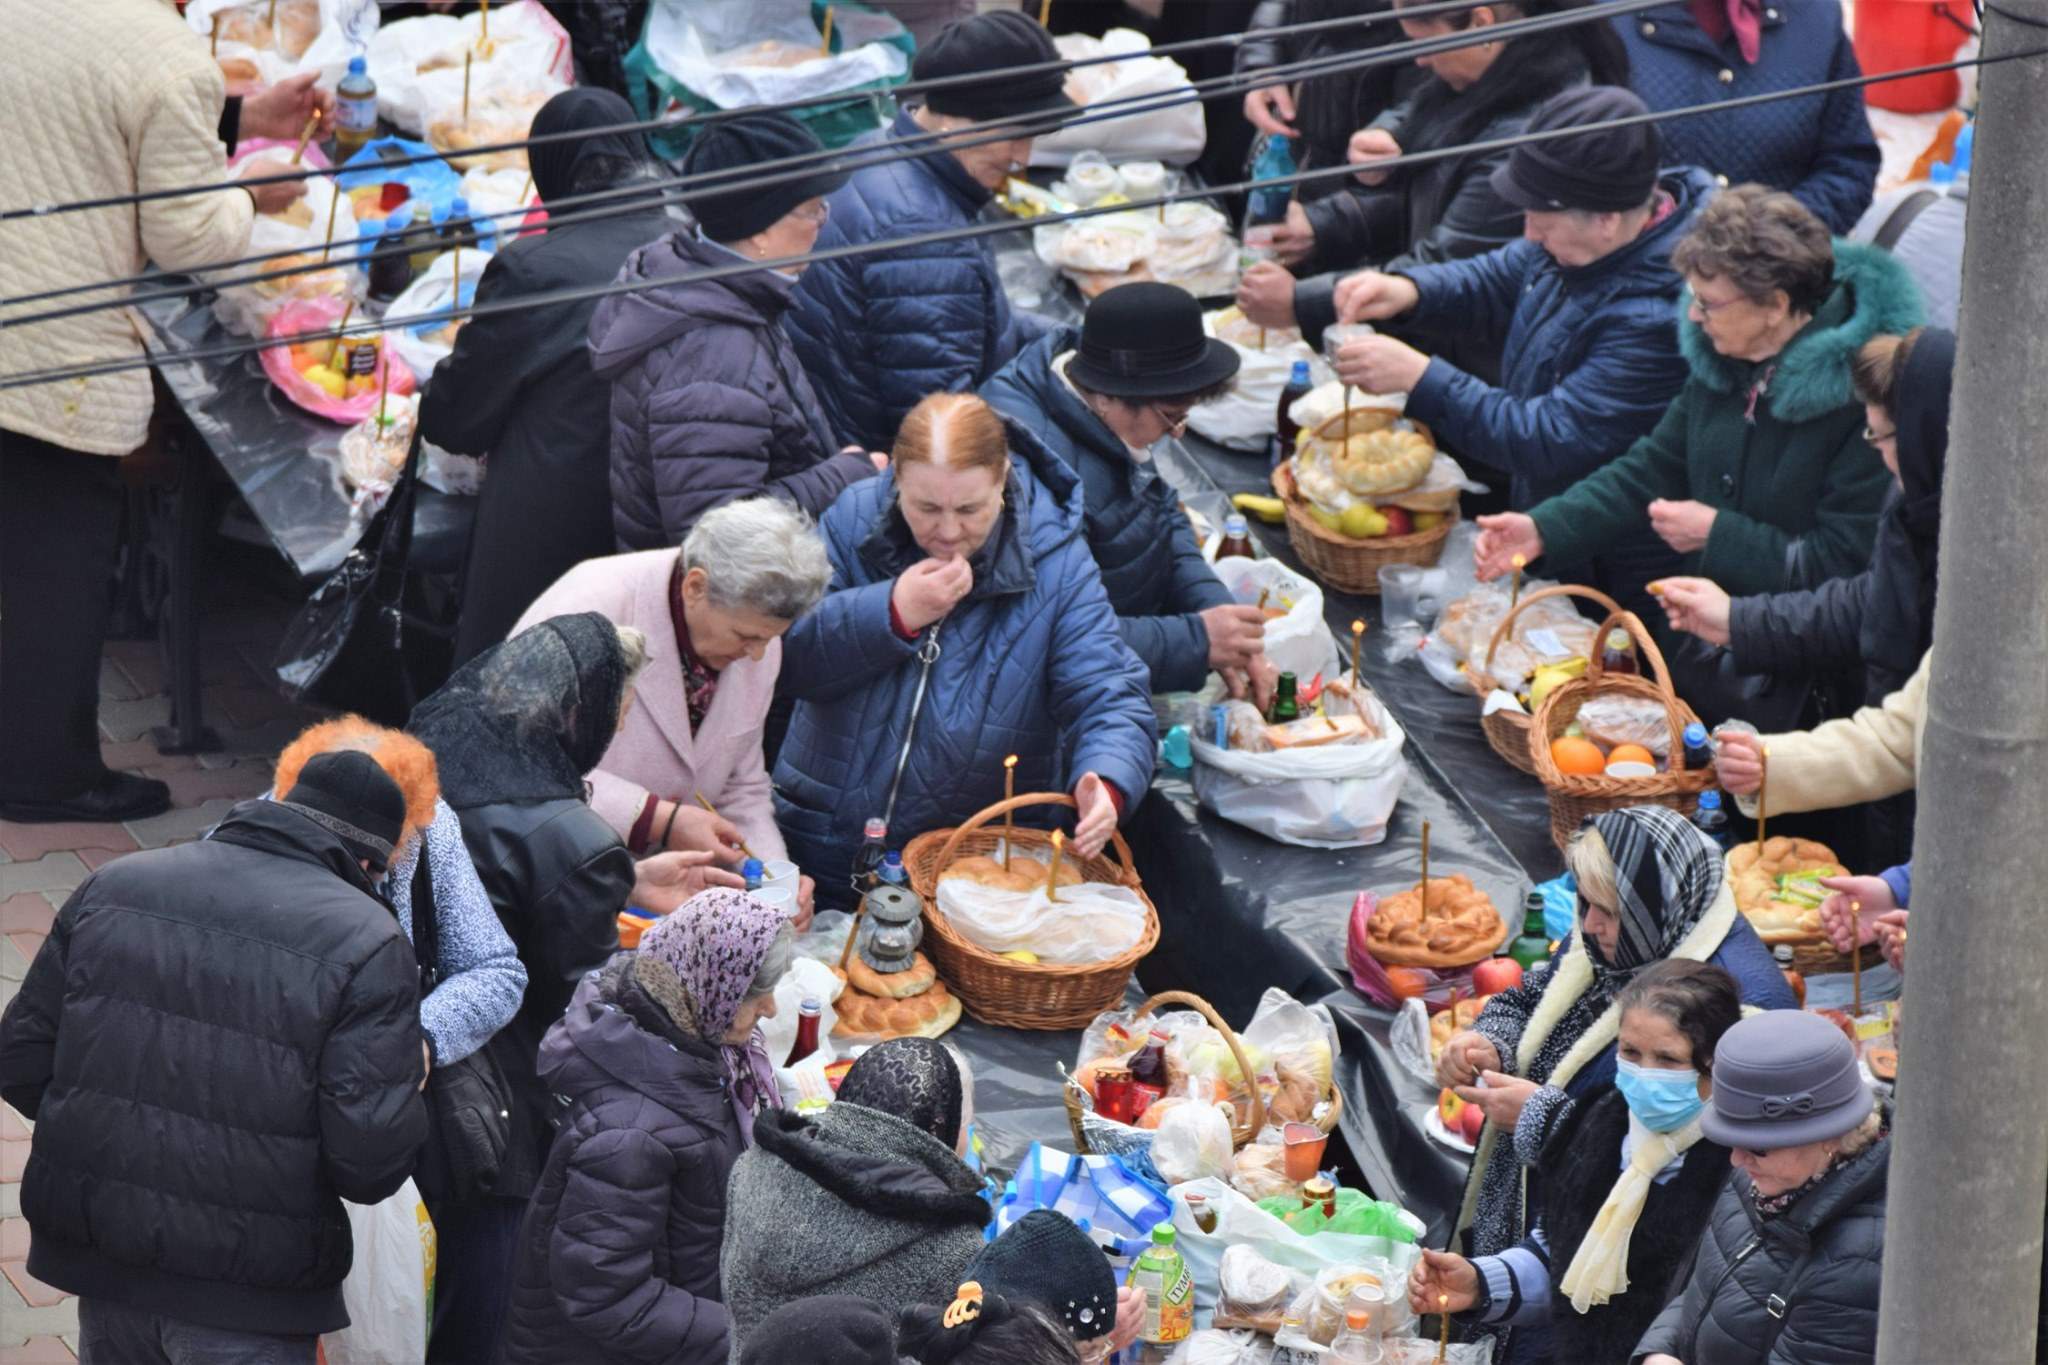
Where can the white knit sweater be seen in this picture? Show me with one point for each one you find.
(102, 97)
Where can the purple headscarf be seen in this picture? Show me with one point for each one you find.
(714, 943)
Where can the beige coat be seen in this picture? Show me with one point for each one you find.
(103, 97)
(1865, 757)
(656, 751)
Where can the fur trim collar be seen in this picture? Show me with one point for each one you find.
(1872, 294)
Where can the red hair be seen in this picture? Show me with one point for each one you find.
(404, 760)
(953, 431)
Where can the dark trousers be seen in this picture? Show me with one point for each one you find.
(474, 1248)
(111, 1333)
(60, 531)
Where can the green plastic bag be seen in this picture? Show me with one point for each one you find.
(1357, 1215)
(656, 91)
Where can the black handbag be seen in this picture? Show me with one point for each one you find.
(355, 646)
(469, 1103)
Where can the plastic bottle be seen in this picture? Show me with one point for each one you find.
(1169, 1290)
(868, 862)
(420, 236)
(806, 1033)
(455, 228)
(1275, 159)
(1286, 430)
(1355, 1344)
(392, 272)
(1618, 655)
(753, 873)
(892, 871)
(355, 110)
(1711, 820)
(1699, 750)
(1237, 538)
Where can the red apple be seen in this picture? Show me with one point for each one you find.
(1470, 1120)
(1399, 523)
(1450, 1109)
(1496, 974)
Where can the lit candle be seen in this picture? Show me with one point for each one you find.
(1657, 589)
(1009, 817)
(1052, 874)
(456, 264)
(825, 35)
(1856, 957)
(1425, 867)
(1443, 1340)
(1520, 562)
(1357, 639)
(1763, 782)
(305, 136)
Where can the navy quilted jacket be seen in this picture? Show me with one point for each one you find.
(881, 330)
(1157, 580)
(618, 1256)
(1819, 147)
(1029, 663)
(709, 403)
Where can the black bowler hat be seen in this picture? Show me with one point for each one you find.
(349, 796)
(1607, 170)
(1145, 340)
(992, 44)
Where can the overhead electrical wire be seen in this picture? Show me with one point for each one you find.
(784, 169)
(975, 231)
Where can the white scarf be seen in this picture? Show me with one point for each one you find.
(1599, 1269)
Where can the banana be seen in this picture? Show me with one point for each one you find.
(1272, 511)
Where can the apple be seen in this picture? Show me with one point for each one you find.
(1428, 521)
(1399, 522)
(1448, 1108)
(1471, 1118)
(1496, 974)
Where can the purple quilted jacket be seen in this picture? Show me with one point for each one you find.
(709, 402)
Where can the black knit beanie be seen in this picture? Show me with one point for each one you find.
(350, 797)
(737, 206)
(1044, 1259)
(993, 45)
(1609, 170)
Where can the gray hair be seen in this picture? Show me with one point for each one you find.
(760, 554)
(633, 649)
(775, 963)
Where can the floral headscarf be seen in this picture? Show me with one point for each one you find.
(714, 944)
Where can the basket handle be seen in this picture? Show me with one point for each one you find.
(980, 818)
(1500, 631)
(1257, 1117)
(1661, 673)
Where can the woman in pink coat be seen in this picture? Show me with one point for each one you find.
(713, 613)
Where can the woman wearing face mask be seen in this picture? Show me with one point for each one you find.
(709, 403)
(1593, 1271)
(1103, 395)
(880, 330)
(1788, 1270)
(665, 1082)
(966, 622)
(1651, 887)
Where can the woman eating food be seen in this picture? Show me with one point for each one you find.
(966, 622)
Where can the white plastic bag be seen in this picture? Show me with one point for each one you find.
(763, 52)
(418, 65)
(390, 1286)
(246, 309)
(1334, 796)
(1159, 131)
(806, 979)
(1240, 1222)
(1209, 1347)
(346, 28)
(1246, 417)
(1091, 922)
(1299, 642)
(425, 345)
(1193, 1143)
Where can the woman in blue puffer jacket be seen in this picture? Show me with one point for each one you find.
(966, 622)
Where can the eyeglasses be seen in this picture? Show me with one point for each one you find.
(1176, 419)
(1754, 1153)
(1706, 310)
(1871, 435)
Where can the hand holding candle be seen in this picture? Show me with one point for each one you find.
(306, 136)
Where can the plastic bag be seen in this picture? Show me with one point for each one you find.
(446, 472)
(312, 315)
(1616, 719)
(1259, 1171)
(1358, 1215)
(1193, 1143)
(1246, 417)
(1211, 1347)
(1240, 1222)
(434, 183)
(1332, 796)
(419, 66)
(1159, 131)
(1296, 1045)
(1091, 922)
(390, 1286)
(246, 309)
(806, 979)
(424, 345)
(1550, 631)
(1298, 642)
(345, 28)
(1252, 1291)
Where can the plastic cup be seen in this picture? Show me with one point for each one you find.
(780, 872)
(1302, 1146)
(1631, 770)
(1410, 595)
(781, 897)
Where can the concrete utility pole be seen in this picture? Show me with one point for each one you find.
(1969, 1170)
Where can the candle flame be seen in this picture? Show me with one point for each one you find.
(1767, 751)
(1442, 1300)
(1520, 561)
(1358, 627)
(1010, 762)
(1059, 840)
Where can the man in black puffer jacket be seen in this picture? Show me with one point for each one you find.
(218, 1043)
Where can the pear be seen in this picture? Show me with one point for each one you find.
(1362, 521)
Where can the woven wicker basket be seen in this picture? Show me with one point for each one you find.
(1817, 956)
(997, 989)
(1574, 797)
(1508, 731)
(1353, 565)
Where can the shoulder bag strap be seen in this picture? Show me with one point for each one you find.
(1902, 218)
(426, 927)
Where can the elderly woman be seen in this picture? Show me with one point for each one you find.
(1819, 148)
(1758, 476)
(518, 388)
(709, 403)
(966, 622)
(1651, 887)
(869, 1198)
(880, 330)
(713, 613)
(1438, 210)
(1788, 1269)
(1592, 1272)
(1102, 396)
(664, 1080)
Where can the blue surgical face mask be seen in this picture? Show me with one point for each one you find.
(1664, 1100)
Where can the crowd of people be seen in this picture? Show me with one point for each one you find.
(766, 556)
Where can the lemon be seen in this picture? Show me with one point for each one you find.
(1022, 955)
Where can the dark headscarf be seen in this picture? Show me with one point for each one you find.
(555, 164)
(525, 720)
(914, 1079)
(1666, 874)
(1920, 408)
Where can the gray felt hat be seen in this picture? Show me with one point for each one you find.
(1784, 1078)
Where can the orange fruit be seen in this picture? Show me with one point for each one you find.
(1631, 753)
(1576, 757)
(1407, 982)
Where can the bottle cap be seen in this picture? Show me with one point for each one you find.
(396, 223)
(875, 829)
(1710, 800)
(752, 869)
(1236, 525)
(1162, 1234)
(1695, 734)
(1299, 375)
(810, 1006)
(358, 67)
(893, 858)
